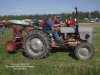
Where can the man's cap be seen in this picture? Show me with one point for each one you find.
(49, 15)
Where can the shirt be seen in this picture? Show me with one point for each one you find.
(50, 23)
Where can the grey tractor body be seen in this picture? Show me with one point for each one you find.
(84, 32)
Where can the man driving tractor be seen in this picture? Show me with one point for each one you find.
(48, 26)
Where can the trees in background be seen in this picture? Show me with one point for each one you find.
(81, 15)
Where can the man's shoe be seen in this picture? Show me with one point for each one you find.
(58, 43)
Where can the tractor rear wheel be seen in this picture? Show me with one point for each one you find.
(37, 44)
(84, 51)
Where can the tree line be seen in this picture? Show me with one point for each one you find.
(81, 15)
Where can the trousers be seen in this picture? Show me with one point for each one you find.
(55, 34)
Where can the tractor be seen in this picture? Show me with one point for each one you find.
(37, 43)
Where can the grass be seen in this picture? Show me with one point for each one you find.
(59, 62)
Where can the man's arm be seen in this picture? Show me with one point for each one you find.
(56, 25)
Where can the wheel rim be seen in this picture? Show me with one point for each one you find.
(35, 46)
(84, 52)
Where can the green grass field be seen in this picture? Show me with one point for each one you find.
(59, 62)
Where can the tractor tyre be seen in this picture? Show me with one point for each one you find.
(37, 45)
(84, 51)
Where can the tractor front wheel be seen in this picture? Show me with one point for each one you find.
(84, 51)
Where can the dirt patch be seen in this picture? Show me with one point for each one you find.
(8, 60)
(1, 54)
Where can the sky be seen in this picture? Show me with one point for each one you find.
(21, 7)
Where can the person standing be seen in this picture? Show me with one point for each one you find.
(1, 27)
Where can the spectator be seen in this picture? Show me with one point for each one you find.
(57, 21)
(1, 27)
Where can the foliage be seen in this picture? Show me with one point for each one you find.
(81, 15)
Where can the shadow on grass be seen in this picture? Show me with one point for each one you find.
(64, 49)
(55, 50)
(12, 52)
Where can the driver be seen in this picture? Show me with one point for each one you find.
(48, 26)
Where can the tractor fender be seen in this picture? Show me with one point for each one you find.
(31, 31)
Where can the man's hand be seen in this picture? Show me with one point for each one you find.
(52, 28)
(57, 25)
